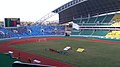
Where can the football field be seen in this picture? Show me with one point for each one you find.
(96, 54)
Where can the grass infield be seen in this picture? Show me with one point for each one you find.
(95, 54)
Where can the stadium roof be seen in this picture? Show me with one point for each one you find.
(85, 8)
(68, 5)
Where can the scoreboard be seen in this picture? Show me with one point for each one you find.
(11, 22)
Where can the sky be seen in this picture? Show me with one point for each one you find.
(29, 10)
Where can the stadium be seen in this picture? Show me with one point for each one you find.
(87, 35)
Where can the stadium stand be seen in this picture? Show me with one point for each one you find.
(100, 32)
(28, 31)
(91, 26)
(116, 24)
(86, 32)
(113, 34)
(116, 18)
(75, 32)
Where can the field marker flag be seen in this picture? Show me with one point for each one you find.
(80, 49)
(75, 26)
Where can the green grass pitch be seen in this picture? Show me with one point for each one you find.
(95, 54)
